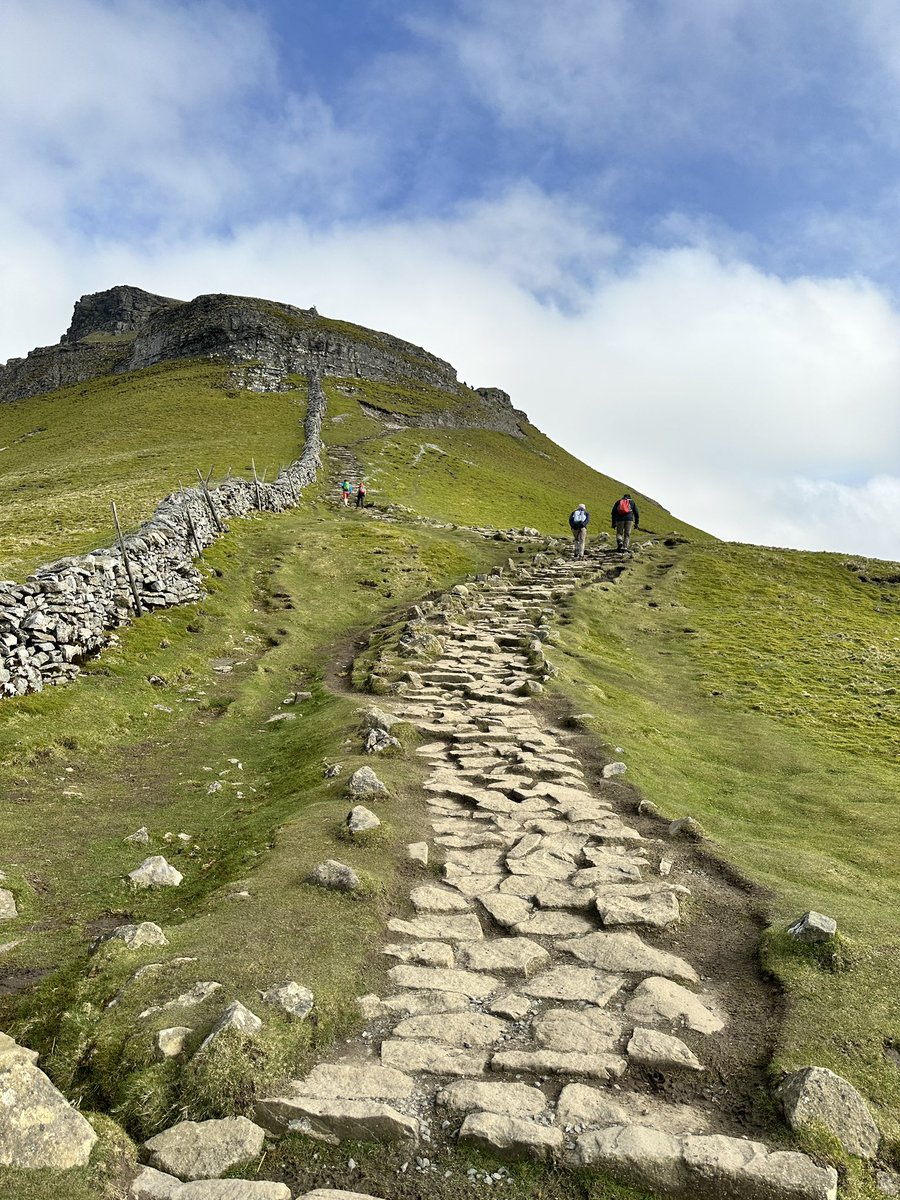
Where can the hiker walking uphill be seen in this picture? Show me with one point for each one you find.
(346, 492)
(361, 492)
(624, 519)
(578, 523)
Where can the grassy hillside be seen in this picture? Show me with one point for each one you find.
(132, 439)
(756, 690)
(473, 476)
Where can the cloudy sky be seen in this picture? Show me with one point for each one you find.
(669, 230)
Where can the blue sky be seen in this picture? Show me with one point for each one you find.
(669, 230)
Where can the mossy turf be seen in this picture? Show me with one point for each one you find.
(752, 690)
(131, 439)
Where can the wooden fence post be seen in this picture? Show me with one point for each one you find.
(190, 523)
(138, 607)
(204, 486)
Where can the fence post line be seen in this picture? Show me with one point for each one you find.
(204, 486)
(138, 607)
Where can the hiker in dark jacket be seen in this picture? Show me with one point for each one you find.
(578, 523)
(624, 519)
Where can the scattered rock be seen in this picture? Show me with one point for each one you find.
(614, 768)
(378, 740)
(38, 1127)
(170, 1042)
(140, 836)
(292, 998)
(418, 852)
(154, 1185)
(816, 1095)
(364, 783)
(888, 1183)
(8, 910)
(361, 819)
(237, 1017)
(204, 1149)
(813, 927)
(336, 876)
(155, 872)
(281, 717)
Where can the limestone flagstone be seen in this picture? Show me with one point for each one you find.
(627, 952)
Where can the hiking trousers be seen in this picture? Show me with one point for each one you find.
(580, 537)
(623, 534)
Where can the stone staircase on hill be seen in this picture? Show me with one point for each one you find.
(530, 986)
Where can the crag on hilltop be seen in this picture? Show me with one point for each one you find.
(126, 329)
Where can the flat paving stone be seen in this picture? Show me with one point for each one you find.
(430, 898)
(575, 983)
(506, 956)
(511, 1138)
(506, 910)
(663, 1002)
(435, 1058)
(468, 1029)
(590, 1030)
(450, 927)
(556, 895)
(465, 983)
(367, 1081)
(580, 1105)
(627, 952)
(555, 923)
(650, 1048)
(423, 954)
(505, 1099)
(345, 1120)
(560, 1062)
(659, 911)
(373, 1008)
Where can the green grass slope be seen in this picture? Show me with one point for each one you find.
(756, 690)
(131, 439)
(473, 476)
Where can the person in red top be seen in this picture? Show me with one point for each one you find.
(624, 520)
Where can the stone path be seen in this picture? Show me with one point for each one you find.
(528, 987)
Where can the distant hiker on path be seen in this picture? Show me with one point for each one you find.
(578, 523)
(624, 519)
(361, 492)
(346, 492)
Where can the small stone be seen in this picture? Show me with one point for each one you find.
(140, 836)
(361, 819)
(335, 876)
(235, 1017)
(151, 1184)
(614, 768)
(204, 1149)
(815, 1095)
(281, 717)
(511, 1005)
(650, 1048)
(364, 783)
(813, 927)
(292, 998)
(170, 1042)
(155, 872)
(8, 910)
(418, 852)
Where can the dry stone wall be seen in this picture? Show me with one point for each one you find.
(65, 610)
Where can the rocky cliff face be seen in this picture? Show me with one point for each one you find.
(125, 328)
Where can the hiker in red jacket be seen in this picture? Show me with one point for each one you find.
(624, 519)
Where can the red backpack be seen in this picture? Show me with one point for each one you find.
(623, 508)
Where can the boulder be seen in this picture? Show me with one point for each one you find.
(813, 927)
(335, 876)
(38, 1127)
(365, 783)
(204, 1149)
(816, 1095)
(155, 872)
(137, 936)
(292, 998)
(237, 1017)
(361, 819)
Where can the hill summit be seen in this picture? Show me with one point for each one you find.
(127, 329)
